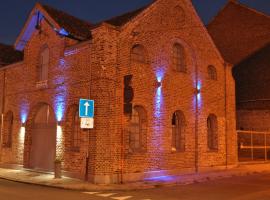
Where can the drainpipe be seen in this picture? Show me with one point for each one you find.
(196, 121)
(88, 132)
(2, 111)
(225, 113)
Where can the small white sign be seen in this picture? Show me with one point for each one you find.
(87, 123)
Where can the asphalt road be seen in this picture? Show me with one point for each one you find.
(253, 187)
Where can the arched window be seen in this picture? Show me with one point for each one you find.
(76, 131)
(179, 58)
(212, 72)
(8, 128)
(212, 132)
(44, 64)
(138, 54)
(137, 129)
(178, 131)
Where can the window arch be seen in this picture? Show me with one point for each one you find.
(138, 129)
(138, 54)
(212, 132)
(179, 58)
(8, 129)
(44, 63)
(212, 72)
(178, 131)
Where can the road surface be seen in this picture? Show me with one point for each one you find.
(251, 187)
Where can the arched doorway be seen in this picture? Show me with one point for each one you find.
(43, 143)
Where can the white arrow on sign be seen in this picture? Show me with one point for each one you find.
(86, 108)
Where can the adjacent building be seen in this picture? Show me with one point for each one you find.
(242, 35)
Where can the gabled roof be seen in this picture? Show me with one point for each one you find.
(238, 31)
(74, 26)
(69, 25)
(9, 55)
(61, 22)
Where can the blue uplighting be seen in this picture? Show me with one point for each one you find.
(59, 106)
(161, 178)
(158, 102)
(24, 109)
(160, 75)
(158, 119)
(199, 85)
(159, 96)
(23, 117)
(198, 95)
(61, 93)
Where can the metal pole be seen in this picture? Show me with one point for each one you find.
(88, 133)
(2, 112)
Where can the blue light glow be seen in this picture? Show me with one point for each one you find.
(24, 109)
(158, 102)
(161, 178)
(157, 142)
(198, 93)
(63, 32)
(159, 96)
(71, 52)
(59, 106)
(61, 93)
(23, 117)
(160, 75)
(199, 85)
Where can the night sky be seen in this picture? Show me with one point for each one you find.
(13, 13)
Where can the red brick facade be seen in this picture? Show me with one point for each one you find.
(96, 68)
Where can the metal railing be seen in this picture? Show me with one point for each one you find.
(253, 146)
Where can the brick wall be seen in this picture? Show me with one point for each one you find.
(95, 69)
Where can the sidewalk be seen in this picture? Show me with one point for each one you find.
(31, 177)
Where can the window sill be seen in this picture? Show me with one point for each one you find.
(42, 84)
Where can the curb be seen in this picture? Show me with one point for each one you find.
(186, 180)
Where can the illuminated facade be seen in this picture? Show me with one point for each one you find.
(159, 110)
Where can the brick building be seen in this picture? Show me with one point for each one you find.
(164, 97)
(246, 46)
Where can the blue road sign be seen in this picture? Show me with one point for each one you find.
(86, 108)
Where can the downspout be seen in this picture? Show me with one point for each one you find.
(2, 111)
(88, 131)
(196, 120)
(122, 151)
(225, 113)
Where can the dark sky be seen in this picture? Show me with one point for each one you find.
(13, 13)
